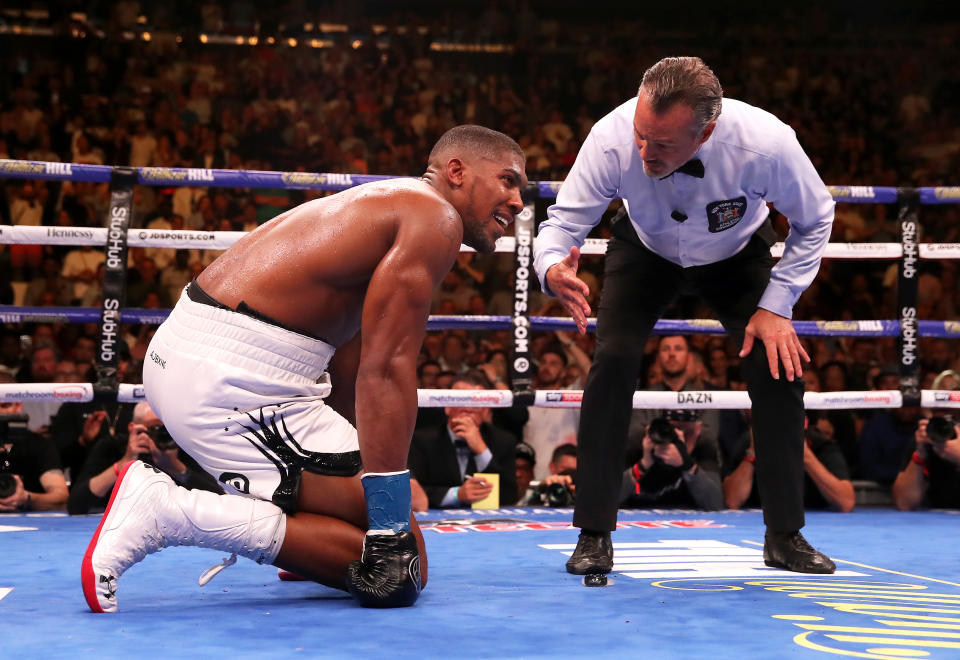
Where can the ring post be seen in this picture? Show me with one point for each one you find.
(907, 297)
(521, 369)
(122, 180)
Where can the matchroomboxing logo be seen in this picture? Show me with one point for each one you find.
(461, 399)
(69, 392)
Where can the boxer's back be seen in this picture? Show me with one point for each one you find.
(309, 267)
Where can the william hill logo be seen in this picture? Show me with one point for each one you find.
(315, 179)
(175, 175)
(837, 326)
(947, 193)
(20, 167)
(857, 192)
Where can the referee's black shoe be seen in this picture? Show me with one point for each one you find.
(792, 552)
(594, 554)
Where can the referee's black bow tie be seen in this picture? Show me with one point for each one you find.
(692, 168)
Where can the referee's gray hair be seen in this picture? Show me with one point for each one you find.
(685, 80)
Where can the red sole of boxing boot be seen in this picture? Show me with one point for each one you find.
(87, 577)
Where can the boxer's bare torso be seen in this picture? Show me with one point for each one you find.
(370, 257)
(310, 267)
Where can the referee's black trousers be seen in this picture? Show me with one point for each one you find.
(638, 285)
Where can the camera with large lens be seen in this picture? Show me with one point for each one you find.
(161, 437)
(941, 428)
(13, 429)
(661, 431)
(557, 494)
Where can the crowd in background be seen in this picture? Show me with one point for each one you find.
(863, 97)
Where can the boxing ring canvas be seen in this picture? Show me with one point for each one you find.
(685, 585)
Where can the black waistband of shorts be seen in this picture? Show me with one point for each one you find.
(198, 295)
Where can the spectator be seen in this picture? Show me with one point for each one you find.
(721, 373)
(673, 359)
(559, 488)
(50, 281)
(148, 283)
(32, 460)
(827, 481)
(444, 460)
(143, 146)
(840, 425)
(525, 459)
(67, 372)
(43, 369)
(145, 439)
(931, 472)
(675, 468)
(885, 437)
(548, 428)
(78, 427)
(454, 353)
(80, 267)
(177, 275)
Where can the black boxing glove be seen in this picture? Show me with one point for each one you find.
(388, 573)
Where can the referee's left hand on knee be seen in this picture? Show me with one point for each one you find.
(781, 341)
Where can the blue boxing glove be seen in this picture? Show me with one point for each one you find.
(388, 573)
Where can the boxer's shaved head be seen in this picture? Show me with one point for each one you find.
(472, 140)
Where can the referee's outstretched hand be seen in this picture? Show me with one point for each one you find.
(562, 280)
(780, 340)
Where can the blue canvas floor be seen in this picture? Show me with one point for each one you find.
(686, 585)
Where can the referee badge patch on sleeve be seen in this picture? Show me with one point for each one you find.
(725, 214)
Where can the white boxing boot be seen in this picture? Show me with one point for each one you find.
(149, 512)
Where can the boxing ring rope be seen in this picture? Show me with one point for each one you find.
(864, 328)
(118, 237)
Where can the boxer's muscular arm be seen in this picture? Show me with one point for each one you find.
(394, 321)
(343, 379)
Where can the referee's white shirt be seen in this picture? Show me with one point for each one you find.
(752, 158)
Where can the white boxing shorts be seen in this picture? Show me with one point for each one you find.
(244, 398)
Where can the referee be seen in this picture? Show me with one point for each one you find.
(695, 179)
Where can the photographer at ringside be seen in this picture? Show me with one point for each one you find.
(931, 475)
(677, 468)
(559, 488)
(31, 478)
(148, 440)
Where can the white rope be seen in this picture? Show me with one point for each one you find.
(62, 392)
(465, 398)
(695, 399)
(221, 240)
